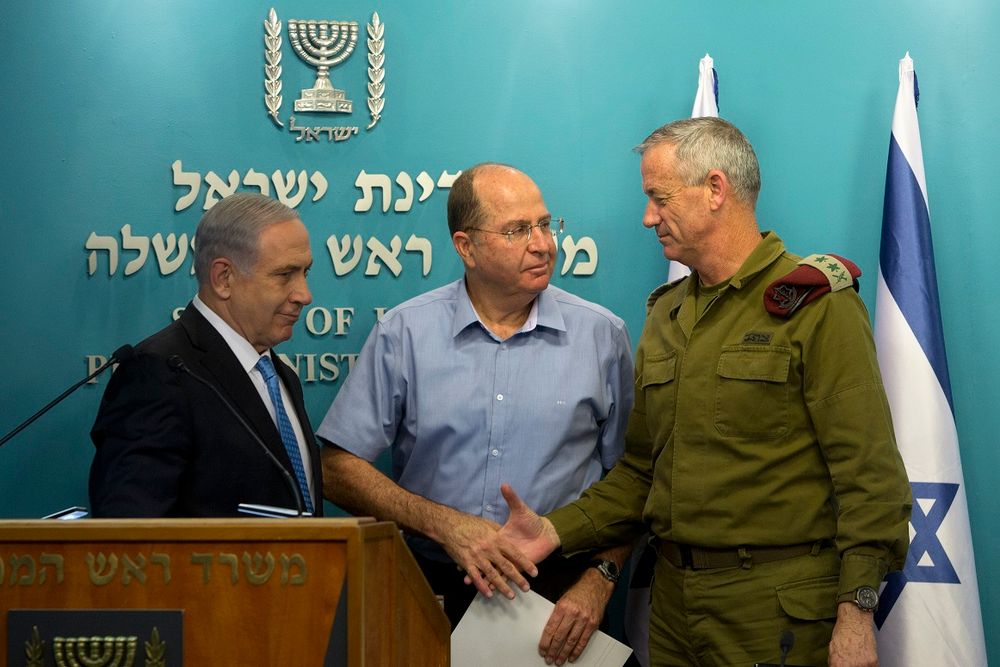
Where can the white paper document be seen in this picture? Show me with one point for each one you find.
(499, 632)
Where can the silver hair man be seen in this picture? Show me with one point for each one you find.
(704, 144)
(232, 229)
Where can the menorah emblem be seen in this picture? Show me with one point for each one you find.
(323, 44)
(95, 651)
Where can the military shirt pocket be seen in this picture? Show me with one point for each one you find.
(810, 600)
(658, 369)
(751, 395)
(658, 388)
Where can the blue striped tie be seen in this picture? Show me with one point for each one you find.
(266, 369)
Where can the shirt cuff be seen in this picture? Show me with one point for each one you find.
(576, 530)
(858, 570)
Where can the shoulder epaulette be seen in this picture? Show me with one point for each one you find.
(661, 290)
(814, 276)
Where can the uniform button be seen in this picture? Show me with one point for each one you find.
(489, 508)
(495, 452)
(499, 397)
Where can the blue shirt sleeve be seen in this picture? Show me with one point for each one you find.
(620, 376)
(365, 415)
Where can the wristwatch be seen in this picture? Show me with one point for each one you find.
(865, 597)
(608, 569)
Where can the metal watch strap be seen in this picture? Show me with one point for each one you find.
(608, 569)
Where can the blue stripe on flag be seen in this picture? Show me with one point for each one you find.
(907, 261)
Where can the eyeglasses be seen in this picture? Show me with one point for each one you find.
(522, 233)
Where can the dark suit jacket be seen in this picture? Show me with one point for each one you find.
(168, 447)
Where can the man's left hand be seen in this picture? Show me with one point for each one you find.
(853, 641)
(575, 617)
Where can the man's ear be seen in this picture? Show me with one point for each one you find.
(465, 247)
(718, 188)
(222, 275)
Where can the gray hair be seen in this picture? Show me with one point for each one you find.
(704, 144)
(232, 229)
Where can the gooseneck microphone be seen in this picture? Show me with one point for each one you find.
(124, 353)
(786, 643)
(178, 366)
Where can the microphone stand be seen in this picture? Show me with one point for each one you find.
(121, 354)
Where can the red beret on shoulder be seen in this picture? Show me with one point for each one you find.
(812, 278)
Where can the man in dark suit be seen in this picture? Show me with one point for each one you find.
(166, 444)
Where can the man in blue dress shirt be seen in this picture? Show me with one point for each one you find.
(495, 378)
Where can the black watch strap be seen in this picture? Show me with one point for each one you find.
(865, 597)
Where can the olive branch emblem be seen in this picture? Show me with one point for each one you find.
(376, 71)
(272, 66)
(156, 650)
(34, 650)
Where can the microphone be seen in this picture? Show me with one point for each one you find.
(786, 643)
(124, 353)
(178, 366)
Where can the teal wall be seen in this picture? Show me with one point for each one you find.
(100, 98)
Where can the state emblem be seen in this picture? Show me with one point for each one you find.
(323, 45)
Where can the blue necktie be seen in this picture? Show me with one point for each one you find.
(266, 369)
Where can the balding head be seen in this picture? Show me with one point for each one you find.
(465, 205)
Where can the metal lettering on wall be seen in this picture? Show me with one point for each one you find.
(291, 188)
(323, 44)
(346, 252)
(321, 321)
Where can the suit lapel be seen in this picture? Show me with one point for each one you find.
(218, 363)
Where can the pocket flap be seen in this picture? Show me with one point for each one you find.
(658, 370)
(811, 600)
(770, 365)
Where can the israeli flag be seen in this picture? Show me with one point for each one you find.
(706, 100)
(929, 613)
(706, 104)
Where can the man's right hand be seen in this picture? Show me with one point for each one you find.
(489, 559)
(533, 535)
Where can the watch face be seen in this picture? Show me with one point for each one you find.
(608, 569)
(867, 598)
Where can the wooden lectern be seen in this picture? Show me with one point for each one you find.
(266, 592)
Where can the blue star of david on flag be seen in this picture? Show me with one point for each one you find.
(926, 561)
(937, 621)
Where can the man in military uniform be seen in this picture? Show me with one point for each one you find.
(760, 450)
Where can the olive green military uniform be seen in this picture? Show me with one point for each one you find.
(752, 432)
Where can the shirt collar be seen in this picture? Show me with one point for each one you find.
(544, 312)
(767, 251)
(241, 347)
(465, 314)
(547, 310)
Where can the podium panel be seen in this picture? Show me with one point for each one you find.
(226, 592)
